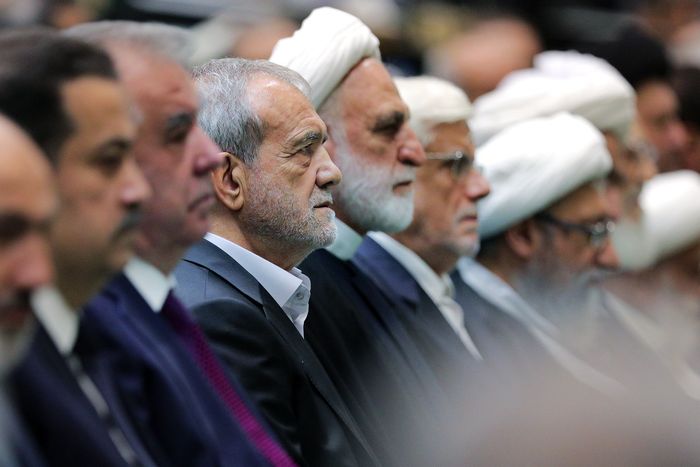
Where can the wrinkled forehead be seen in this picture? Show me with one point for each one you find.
(281, 107)
(587, 202)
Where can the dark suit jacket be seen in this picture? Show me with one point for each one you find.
(159, 386)
(63, 423)
(377, 367)
(451, 361)
(261, 346)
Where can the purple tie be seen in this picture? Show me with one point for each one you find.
(193, 338)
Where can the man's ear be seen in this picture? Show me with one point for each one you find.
(229, 181)
(524, 239)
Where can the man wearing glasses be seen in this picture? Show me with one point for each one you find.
(545, 230)
(413, 266)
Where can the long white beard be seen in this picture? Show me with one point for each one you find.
(366, 195)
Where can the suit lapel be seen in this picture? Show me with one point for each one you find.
(208, 255)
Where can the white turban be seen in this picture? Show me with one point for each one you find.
(670, 219)
(325, 48)
(559, 82)
(432, 101)
(534, 163)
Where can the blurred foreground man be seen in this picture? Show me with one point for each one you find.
(162, 374)
(378, 368)
(273, 208)
(86, 129)
(27, 206)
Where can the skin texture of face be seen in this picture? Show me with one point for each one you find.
(445, 223)
(378, 153)
(174, 153)
(100, 187)
(659, 124)
(630, 170)
(286, 204)
(27, 205)
(561, 264)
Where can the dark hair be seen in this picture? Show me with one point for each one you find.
(686, 82)
(34, 66)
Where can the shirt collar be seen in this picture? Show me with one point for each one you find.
(280, 284)
(434, 285)
(56, 316)
(346, 243)
(150, 282)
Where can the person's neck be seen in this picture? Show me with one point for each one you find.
(340, 215)
(161, 254)
(77, 287)
(283, 256)
(439, 260)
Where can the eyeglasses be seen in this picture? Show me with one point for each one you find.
(460, 163)
(596, 233)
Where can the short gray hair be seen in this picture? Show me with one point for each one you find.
(172, 42)
(226, 114)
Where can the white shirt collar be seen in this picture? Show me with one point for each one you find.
(152, 284)
(56, 316)
(435, 286)
(440, 289)
(291, 290)
(346, 243)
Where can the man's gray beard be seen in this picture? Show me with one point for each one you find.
(366, 196)
(269, 217)
(558, 294)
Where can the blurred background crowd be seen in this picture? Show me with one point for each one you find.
(564, 330)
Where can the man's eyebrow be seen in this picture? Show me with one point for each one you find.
(181, 119)
(310, 137)
(391, 120)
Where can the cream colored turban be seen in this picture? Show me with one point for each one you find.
(670, 220)
(559, 82)
(328, 45)
(532, 164)
(432, 101)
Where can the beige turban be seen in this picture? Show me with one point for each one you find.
(559, 82)
(534, 163)
(328, 45)
(670, 219)
(432, 101)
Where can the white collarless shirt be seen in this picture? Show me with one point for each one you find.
(149, 282)
(440, 289)
(291, 290)
(346, 242)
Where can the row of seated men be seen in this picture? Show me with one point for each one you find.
(282, 262)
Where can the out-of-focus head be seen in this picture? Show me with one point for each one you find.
(27, 205)
(659, 124)
(479, 58)
(86, 128)
(583, 85)
(171, 148)
(668, 236)
(448, 185)
(274, 184)
(547, 206)
(369, 136)
(686, 83)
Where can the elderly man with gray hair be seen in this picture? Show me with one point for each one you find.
(413, 266)
(353, 327)
(162, 376)
(274, 207)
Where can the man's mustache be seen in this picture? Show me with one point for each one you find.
(130, 222)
